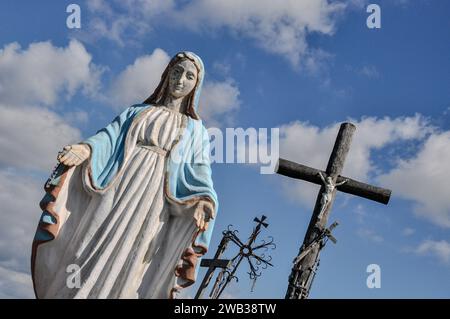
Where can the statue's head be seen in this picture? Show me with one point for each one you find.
(182, 78)
(329, 180)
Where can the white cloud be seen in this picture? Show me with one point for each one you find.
(440, 249)
(360, 213)
(15, 285)
(309, 145)
(219, 102)
(31, 137)
(19, 202)
(222, 68)
(77, 117)
(425, 179)
(370, 235)
(280, 27)
(139, 80)
(369, 71)
(124, 22)
(447, 111)
(408, 231)
(19, 199)
(42, 72)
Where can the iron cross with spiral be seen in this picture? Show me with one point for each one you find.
(253, 253)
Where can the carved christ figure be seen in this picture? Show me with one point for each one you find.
(328, 193)
(131, 208)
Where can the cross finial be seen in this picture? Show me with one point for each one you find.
(261, 221)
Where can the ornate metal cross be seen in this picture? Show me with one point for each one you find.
(306, 263)
(246, 251)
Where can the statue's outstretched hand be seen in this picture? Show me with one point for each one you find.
(74, 155)
(204, 212)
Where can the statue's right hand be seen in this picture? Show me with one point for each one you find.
(74, 155)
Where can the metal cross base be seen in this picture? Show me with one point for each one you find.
(303, 288)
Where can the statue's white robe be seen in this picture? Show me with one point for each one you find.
(126, 240)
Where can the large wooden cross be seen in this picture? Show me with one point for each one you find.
(305, 265)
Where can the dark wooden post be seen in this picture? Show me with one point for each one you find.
(212, 264)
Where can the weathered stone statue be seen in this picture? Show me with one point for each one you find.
(129, 212)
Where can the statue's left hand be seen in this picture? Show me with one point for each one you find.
(204, 212)
(74, 155)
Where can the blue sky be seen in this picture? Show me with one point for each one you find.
(303, 67)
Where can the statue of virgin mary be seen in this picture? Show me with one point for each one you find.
(129, 212)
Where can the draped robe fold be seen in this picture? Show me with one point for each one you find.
(122, 224)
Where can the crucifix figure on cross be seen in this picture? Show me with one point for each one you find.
(327, 195)
(306, 263)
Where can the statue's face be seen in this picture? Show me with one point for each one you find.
(182, 78)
